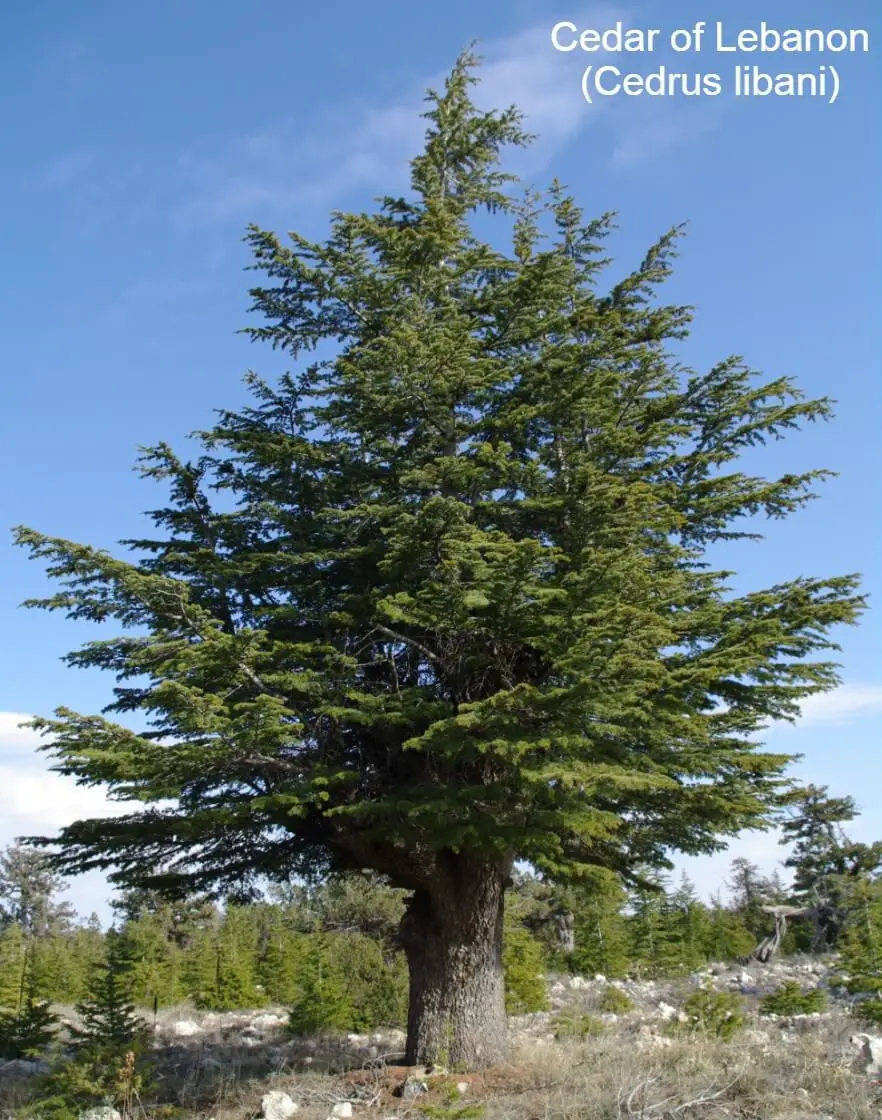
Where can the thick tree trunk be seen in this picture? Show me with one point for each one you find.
(452, 936)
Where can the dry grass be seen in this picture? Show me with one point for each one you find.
(784, 1070)
(608, 1078)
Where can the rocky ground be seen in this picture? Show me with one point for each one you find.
(575, 1060)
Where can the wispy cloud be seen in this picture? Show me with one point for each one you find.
(292, 165)
(66, 170)
(33, 800)
(841, 707)
(351, 148)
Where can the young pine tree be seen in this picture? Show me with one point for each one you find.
(602, 934)
(109, 1024)
(456, 608)
(826, 863)
(690, 923)
(323, 1002)
(728, 938)
(861, 944)
(750, 891)
(29, 1029)
(13, 965)
(656, 949)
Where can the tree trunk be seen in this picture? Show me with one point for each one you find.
(452, 936)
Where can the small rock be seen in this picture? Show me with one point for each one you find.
(342, 1109)
(185, 1028)
(869, 1052)
(277, 1105)
(462, 1087)
(413, 1087)
(103, 1112)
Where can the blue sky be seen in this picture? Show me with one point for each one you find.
(138, 141)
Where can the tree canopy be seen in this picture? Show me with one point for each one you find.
(440, 599)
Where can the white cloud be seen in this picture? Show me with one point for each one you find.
(844, 705)
(350, 147)
(36, 802)
(33, 799)
(292, 164)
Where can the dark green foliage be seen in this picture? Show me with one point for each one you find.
(603, 939)
(457, 594)
(861, 945)
(156, 963)
(728, 938)
(790, 999)
(827, 864)
(750, 891)
(108, 1045)
(444, 598)
(870, 1011)
(522, 959)
(179, 919)
(688, 922)
(323, 1002)
(345, 904)
(28, 1030)
(13, 965)
(280, 949)
(375, 982)
(657, 947)
(719, 1014)
(616, 1002)
(109, 1024)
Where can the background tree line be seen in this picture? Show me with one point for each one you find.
(330, 952)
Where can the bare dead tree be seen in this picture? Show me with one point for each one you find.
(770, 945)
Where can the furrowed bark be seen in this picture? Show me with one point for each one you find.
(452, 937)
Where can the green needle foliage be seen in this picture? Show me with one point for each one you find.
(110, 1025)
(719, 1014)
(441, 597)
(790, 999)
(28, 1030)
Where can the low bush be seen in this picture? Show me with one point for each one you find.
(616, 1002)
(719, 1014)
(573, 1023)
(790, 999)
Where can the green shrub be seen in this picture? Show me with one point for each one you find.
(377, 986)
(870, 1011)
(616, 1002)
(345, 982)
(323, 1002)
(573, 1023)
(94, 1079)
(452, 1107)
(523, 962)
(719, 1014)
(790, 999)
(28, 1032)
